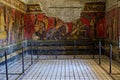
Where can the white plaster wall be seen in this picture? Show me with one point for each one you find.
(36, 1)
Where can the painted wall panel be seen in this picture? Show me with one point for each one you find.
(3, 32)
(29, 26)
(12, 23)
(112, 25)
(89, 25)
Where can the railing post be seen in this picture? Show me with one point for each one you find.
(22, 60)
(74, 48)
(37, 52)
(56, 57)
(6, 66)
(56, 46)
(110, 58)
(93, 50)
(100, 46)
(31, 54)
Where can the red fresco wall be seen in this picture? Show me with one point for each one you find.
(29, 26)
(112, 18)
(49, 21)
(13, 21)
(3, 34)
(95, 21)
(101, 26)
(90, 25)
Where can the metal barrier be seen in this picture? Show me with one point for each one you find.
(110, 54)
(110, 59)
(22, 60)
(74, 48)
(6, 66)
(61, 47)
(23, 64)
(100, 48)
(31, 53)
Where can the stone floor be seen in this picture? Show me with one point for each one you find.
(115, 69)
(63, 67)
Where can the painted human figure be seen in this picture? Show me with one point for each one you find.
(36, 28)
(45, 20)
(22, 26)
(78, 28)
(42, 30)
(18, 31)
(114, 28)
(58, 32)
(109, 32)
(92, 26)
(10, 32)
(39, 30)
(2, 25)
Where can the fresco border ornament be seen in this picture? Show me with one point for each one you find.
(16, 4)
(34, 8)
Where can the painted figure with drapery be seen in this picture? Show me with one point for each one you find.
(58, 32)
(3, 35)
(115, 28)
(10, 31)
(39, 30)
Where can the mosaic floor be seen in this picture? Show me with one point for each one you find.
(66, 70)
(62, 68)
(115, 72)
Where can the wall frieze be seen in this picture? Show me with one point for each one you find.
(94, 7)
(16, 4)
(113, 6)
(34, 8)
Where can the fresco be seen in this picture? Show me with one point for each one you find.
(94, 24)
(15, 25)
(101, 26)
(11, 25)
(16, 4)
(112, 25)
(11, 21)
(3, 33)
(38, 26)
(89, 25)
(19, 26)
(29, 26)
(33, 8)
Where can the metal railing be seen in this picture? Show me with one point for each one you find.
(31, 45)
(110, 59)
(6, 66)
(100, 48)
(23, 62)
(72, 46)
(110, 55)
